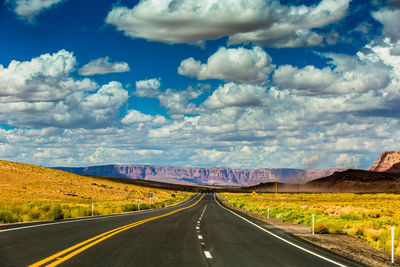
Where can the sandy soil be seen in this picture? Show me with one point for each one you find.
(348, 246)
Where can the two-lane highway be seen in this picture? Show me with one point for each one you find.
(199, 232)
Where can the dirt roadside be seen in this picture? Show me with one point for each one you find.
(348, 246)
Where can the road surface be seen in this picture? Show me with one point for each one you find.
(199, 232)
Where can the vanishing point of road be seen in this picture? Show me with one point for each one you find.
(199, 232)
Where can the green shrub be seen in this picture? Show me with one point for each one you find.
(7, 217)
(336, 228)
(34, 215)
(350, 217)
(129, 207)
(45, 208)
(56, 213)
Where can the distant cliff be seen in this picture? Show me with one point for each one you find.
(203, 176)
(387, 161)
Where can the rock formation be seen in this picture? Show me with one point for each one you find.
(202, 176)
(394, 168)
(386, 161)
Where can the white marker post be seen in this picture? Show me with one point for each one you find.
(392, 230)
(268, 212)
(138, 204)
(92, 208)
(313, 224)
(245, 206)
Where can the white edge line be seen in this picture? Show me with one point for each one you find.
(280, 238)
(208, 254)
(91, 219)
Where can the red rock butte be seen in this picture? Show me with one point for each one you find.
(387, 161)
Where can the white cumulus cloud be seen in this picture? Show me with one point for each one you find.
(176, 101)
(103, 66)
(347, 161)
(240, 95)
(29, 9)
(43, 78)
(109, 95)
(148, 88)
(262, 22)
(135, 116)
(348, 74)
(233, 64)
(390, 20)
(153, 83)
(43, 92)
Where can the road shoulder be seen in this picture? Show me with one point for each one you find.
(346, 246)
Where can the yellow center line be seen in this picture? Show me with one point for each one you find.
(97, 239)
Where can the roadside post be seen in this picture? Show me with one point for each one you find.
(138, 204)
(392, 230)
(313, 217)
(245, 206)
(92, 208)
(268, 213)
(150, 196)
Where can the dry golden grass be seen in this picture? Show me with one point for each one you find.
(29, 192)
(367, 216)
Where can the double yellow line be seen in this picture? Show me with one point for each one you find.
(68, 253)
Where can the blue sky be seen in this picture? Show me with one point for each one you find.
(242, 84)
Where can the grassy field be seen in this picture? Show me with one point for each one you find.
(30, 193)
(367, 216)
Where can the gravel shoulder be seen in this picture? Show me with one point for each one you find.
(348, 246)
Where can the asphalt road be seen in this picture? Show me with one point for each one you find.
(204, 234)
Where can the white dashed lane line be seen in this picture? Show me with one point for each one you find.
(208, 254)
(200, 237)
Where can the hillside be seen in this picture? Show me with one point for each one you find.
(202, 176)
(394, 168)
(24, 182)
(346, 181)
(30, 193)
(357, 181)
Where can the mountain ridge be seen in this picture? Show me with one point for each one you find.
(202, 176)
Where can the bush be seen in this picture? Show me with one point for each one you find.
(350, 217)
(34, 215)
(144, 206)
(336, 228)
(129, 207)
(7, 217)
(56, 213)
(45, 208)
(320, 228)
(357, 231)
